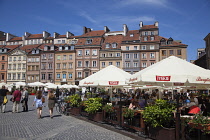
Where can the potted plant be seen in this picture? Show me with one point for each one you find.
(93, 106)
(75, 101)
(108, 110)
(127, 114)
(160, 119)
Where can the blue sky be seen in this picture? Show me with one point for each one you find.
(186, 20)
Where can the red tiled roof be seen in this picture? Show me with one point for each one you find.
(135, 35)
(71, 37)
(174, 43)
(29, 48)
(113, 39)
(95, 41)
(94, 33)
(16, 39)
(49, 38)
(61, 36)
(148, 26)
(2, 46)
(42, 45)
(34, 36)
(2, 38)
(11, 47)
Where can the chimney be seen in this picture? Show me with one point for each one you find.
(9, 36)
(56, 34)
(141, 24)
(88, 30)
(27, 34)
(156, 23)
(106, 29)
(23, 38)
(45, 34)
(125, 29)
(68, 34)
(84, 30)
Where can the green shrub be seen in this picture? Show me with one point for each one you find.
(75, 100)
(108, 108)
(128, 113)
(93, 105)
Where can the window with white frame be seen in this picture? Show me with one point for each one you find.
(143, 47)
(50, 56)
(103, 64)
(70, 65)
(151, 63)
(58, 66)
(94, 52)
(117, 64)
(135, 47)
(60, 48)
(14, 59)
(144, 56)
(19, 66)
(43, 76)
(43, 56)
(64, 65)
(107, 45)
(63, 41)
(89, 41)
(64, 57)
(58, 76)
(127, 64)
(23, 76)
(110, 55)
(19, 58)
(152, 33)
(70, 57)
(110, 63)
(114, 45)
(145, 38)
(14, 76)
(9, 76)
(131, 35)
(70, 76)
(144, 64)
(14, 66)
(87, 52)
(152, 55)
(171, 52)
(127, 55)
(50, 66)
(64, 76)
(86, 63)
(94, 64)
(127, 48)
(145, 33)
(135, 64)
(152, 38)
(79, 63)
(103, 55)
(79, 52)
(10, 66)
(117, 54)
(79, 74)
(135, 55)
(24, 66)
(152, 47)
(10, 58)
(18, 76)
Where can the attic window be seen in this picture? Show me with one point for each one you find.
(89, 41)
(162, 41)
(66, 47)
(60, 48)
(107, 45)
(114, 45)
(45, 48)
(131, 35)
(170, 40)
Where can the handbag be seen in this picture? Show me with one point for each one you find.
(43, 99)
(11, 99)
(5, 100)
(22, 100)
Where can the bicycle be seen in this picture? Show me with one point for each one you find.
(61, 106)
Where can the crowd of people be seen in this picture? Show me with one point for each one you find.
(22, 97)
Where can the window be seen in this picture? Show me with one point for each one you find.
(117, 64)
(64, 76)
(103, 64)
(58, 66)
(2, 66)
(94, 63)
(145, 33)
(50, 56)
(18, 76)
(79, 64)
(3, 57)
(103, 55)
(127, 47)
(86, 74)
(60, 48)
(117, 54)
(86, 63)
(131, 35)
(24, 66)
(164, 52)
(14, 76)
(50, 66)
(145, 38)
(37, 59)
(89, 41)
(2, 77)
(43, 56)
(110, 63)
(70, 57)
(171, 52)
(63, 41)
(179, 52)
(49, 76)
(59, 41)
(70, 75)
(19, 66)
(87, 52)
(135, 47)
(144, 64)
(114, 45)
(151, 63)
(79, 52)
(70, 65)
(110, 55)
(58, 57)
(144, 56)
(73, 42)
(152, 33)
(143, 47)
(107, 45)
(14, 66)
(58, 76)
(66, 47)
(152, 55)
(79, 74)
(10, 58)
(127, 65)
(64, 57)
(152, 47)
(94, 52)
(135, 55)
(135, 64)
(23, 76)
(43, 66)
(64, 65)
(14, 59)
(10, 66)
(9, 76)
(152, 38)
(127, 56)
(37, 77)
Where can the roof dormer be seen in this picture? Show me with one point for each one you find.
(170, 41)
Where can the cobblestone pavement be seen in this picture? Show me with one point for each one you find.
(27, 126)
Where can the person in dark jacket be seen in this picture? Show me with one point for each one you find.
(3, 94)
(16, 100)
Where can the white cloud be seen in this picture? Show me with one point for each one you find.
(141, 2)
(87, 16)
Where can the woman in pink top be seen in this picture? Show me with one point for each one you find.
(16, 100)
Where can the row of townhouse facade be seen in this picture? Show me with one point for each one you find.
(67, 59)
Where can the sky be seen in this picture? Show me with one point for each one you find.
(185, 20)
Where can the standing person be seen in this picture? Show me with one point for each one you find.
(3, 94)
(51, 102)
(25, 100)
(39, 104)
(16, 100)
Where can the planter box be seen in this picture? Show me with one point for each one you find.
(160, 133)
(76, 111)
(98, 116)
(205, 127)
